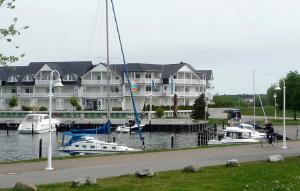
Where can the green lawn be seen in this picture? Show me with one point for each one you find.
(269, 110)
(258, 176)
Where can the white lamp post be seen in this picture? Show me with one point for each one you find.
(275, 105)
(56, 84)
(284, 105)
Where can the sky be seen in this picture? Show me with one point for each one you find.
(231, 37)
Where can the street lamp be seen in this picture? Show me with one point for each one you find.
(284, 105)
(275, 105)
(56, 84)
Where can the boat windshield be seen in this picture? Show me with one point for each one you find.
(32, 118)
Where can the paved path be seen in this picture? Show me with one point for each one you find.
(109, 166)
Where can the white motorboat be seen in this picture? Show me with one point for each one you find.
(87, 144)
(129, 127)
(235, 135)
(37, 123)
(254, 134)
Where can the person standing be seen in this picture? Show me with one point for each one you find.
(269, 131)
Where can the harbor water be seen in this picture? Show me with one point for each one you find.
(15, 146)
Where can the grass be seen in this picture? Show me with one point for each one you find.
(269, 110)
(258, 176)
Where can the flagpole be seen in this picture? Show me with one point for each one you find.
(150, 107)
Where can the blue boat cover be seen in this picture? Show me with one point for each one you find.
(104, 129)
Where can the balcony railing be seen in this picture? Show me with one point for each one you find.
(102, 94)
(100, 82)
(144, 80)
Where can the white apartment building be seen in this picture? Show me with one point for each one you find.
(88, 83)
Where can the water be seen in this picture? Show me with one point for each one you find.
(21, 147)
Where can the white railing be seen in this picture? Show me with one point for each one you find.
(100, 82)
(102, 94)
(67, 94)
(145, 80)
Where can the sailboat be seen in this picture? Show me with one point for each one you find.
(83, 141)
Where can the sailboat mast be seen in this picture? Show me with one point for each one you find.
(254, 114)
(107, 62)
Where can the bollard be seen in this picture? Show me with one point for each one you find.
(198, 139)
(143, 145)
(150, 127)
(32, 129)
(7, 129)
(40, 148)
(172, 141)
(129, 130)
(114, 139)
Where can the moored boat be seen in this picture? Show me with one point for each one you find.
(37, 123)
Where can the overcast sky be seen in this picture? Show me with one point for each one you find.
(231, 37)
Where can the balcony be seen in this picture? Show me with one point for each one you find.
(190, 81)
(44, 95)
(145, 80)
(100, 82)
(101, 94)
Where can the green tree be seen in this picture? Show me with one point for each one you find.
(292, 83)
(74, 102)
(7, 34)
(13, 102)
(159, 112)
(198, 111)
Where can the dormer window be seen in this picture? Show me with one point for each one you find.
(12, 79)
(70, 77)
(28, 78)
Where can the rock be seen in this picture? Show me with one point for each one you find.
(91, 180)
(233, 162)
(191, 168)
(25, 187)
(144, 173)
(79, 182)
(276, 158)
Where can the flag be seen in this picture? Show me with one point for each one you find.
(153, 86)
(134, 87)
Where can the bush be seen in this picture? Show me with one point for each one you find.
(43, 108)
(78, 108)
(27, 108)
(159, 112)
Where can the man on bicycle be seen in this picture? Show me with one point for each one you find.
(269, 131)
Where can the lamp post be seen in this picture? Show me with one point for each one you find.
(284, 146)
(275, 105)
(51, 84)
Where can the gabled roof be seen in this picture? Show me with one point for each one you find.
(165, 69)
(79, 67)
(208, 73)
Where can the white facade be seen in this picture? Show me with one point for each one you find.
(92, 89)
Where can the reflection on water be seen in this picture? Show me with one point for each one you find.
(20, 147)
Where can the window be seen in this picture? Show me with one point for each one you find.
(104, 147)
(99, 77)
(117, 77)
(187, 89)
(93, 146)
(83, 146)
(148, 75)
(165, 88)
(70, 77)
(175, 76)
(137, 75)
(28, 78)
(114, 148)
(14, 90)
(12, 79)
(114, 89)
(148, 88)
(28, 90)
(76, 146)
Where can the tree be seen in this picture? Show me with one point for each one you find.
(292, 83)
(13, 102)
(74, 102)
(7, 33)
(159, 112)
(198, 111)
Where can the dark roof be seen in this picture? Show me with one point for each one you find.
(165, 69)
(79, 68)
(208, 73)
